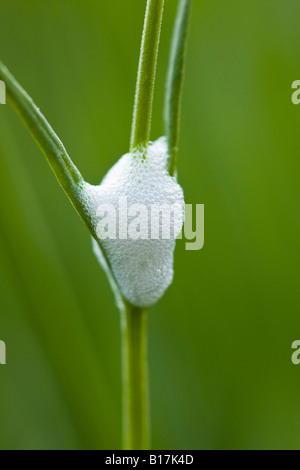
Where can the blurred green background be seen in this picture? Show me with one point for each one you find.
(220, 339)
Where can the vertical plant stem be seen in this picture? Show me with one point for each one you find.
(134, 319)
(135, 379)
(175, 81)
(141, 124)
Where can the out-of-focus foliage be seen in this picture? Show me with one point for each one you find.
(220, 340)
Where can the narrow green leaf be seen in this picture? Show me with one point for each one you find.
(66, 172)
(175, 81)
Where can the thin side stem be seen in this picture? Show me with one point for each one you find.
(142, 114)
(66, 172)
(175, 81)
(135, 379)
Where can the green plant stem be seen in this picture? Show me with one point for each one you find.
(66, 172)
(61, 164)
(175, 81)
(141, 124)
(133, 319)
(135, 383)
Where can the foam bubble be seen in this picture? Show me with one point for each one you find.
(142, 268)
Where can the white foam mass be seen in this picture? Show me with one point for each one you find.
(142, 268)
